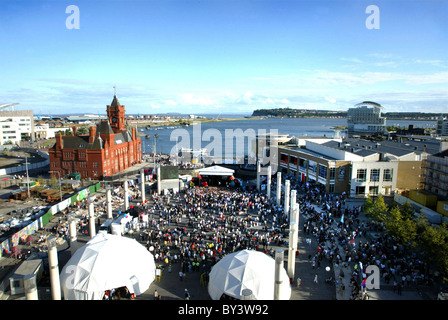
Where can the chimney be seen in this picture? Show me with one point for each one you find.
(92, 134)
(58, 141)
(74, 129)
(134, 133)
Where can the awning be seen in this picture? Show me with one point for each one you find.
(216, 171)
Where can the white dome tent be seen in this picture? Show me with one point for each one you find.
(106, 262)
(246, 269)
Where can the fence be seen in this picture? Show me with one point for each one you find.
(41, 221)
(31, 166)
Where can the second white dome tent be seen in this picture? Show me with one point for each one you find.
(247, 269)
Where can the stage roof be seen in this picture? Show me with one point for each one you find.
(216, 171)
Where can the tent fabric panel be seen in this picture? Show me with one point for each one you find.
(249, 269)
(107, 262)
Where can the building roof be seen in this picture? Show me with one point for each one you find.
(367, 103)
(395, 148)
(104, 128)
(121, 137)
(308, 152)
(351, 146)
(81, 142)
(115, 102)
(442, 154)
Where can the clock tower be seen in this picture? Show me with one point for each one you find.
(115, 113)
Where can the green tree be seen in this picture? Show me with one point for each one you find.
(407, 211)
(368, 205)
(401, 228)
(379, 209)
(434, 242)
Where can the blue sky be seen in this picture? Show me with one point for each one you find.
(215, 56)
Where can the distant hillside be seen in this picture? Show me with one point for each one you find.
(309, 113)
(298, 113)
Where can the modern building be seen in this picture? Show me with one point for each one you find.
(43, 131)
(442, 126)
(16, 126)
(365, 118)
(437, 174)
(86, 118)
(109, 148)
(358, 167)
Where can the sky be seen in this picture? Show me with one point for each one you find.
(223, 57)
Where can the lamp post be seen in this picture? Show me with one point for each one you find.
(27, 176)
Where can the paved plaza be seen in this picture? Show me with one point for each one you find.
(169, 286)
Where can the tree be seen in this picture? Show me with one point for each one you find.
(400, 224)
(407, 211)
(401, 228)
(434, 242)
(368, 205)
(378, 210)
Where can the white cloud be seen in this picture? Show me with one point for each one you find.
(435, 78)
(193, 99)
(332, 100)
(436, 63)
(171, 103)
(355, 60)
(248, 97)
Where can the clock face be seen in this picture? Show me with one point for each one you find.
(114, 119)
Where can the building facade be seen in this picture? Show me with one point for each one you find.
(356, 167)
(365, 118)
(109, 148)
(437, 174)
(442, 126)
(16, 126)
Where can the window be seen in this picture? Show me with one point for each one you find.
(312, 166)
(361, 175)
(360, 190)
(375, 175)
(331, 188)
(373, 191)
(388, 175)
(322, 171)
(302, 164)
(332, 173)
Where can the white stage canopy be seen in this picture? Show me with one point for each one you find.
(247, 269)
(106, 262)
(216, 171)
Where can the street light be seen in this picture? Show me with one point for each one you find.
(59, 176)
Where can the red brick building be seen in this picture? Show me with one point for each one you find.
(108, 148)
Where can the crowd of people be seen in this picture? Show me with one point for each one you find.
(195, 228)
(347, 238)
